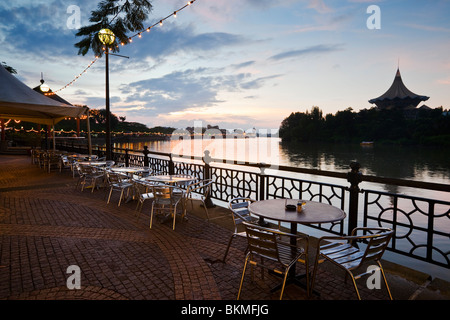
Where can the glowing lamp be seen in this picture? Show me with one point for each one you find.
(44, 87)
(106, 36)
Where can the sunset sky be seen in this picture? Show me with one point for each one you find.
(238, 63)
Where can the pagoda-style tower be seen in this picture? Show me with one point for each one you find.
(398, 96)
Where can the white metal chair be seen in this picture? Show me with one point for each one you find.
(142, 193)
(53, 161)
(278, 247)
(166, 199)
(198, 191)
(342, 252)
(64, 163)
(116, 183)
(239, 213)
(88, 173)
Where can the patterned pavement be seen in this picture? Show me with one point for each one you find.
(47, 225)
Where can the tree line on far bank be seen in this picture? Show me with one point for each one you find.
(416, 127)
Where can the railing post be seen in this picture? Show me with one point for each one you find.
(354, 177)
(262, 190)
(207, 160)
(207, 175)
(171, 165)
(262, 181)
(127, 158)
(146, 152)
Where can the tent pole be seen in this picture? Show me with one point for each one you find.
(54, 140)
(89, 132)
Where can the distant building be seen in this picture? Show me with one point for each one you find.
(398, 96)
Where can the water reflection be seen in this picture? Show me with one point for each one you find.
(415, 163)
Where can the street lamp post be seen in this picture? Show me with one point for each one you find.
(107, 37)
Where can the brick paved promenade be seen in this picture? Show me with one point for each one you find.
(46, 225)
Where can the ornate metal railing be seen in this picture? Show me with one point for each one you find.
(421, 225)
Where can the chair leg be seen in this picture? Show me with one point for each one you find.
(78, 183)
(151, 215)
(308, 283)
(228, 247)
(83, 183)
(138, 209)
(313, 278)
(120, 199)
(286, 272)
(109, 197)
(206, 210)
(385, 280)
(306, 263)
(174, 217)
(354, 284)
(242, 277)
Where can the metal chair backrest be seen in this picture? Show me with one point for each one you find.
(65, 160)
(109, 163)
(239, 209)
(114, 178)
(377, 243)
(262, 242)
(203, 187)
(162, 191)
(84, 170)
(140, 188)
(90, 170)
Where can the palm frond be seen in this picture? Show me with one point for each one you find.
(120, 18)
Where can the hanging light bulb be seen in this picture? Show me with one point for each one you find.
(44, 87)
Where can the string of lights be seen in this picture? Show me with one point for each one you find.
(73, 81)
(130, 40)
(160, 22)
(65, 132)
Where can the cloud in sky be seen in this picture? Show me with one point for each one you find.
(173, 39)
(241, 61)
(310, 51)
(319, 6)
(189, 89)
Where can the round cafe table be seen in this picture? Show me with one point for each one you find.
(312, 212)
(128, 170)
(171, 178)
(93, 163)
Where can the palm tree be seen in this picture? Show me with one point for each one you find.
(119, 17)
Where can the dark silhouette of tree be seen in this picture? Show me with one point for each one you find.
(419, 126)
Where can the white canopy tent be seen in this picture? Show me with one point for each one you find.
(19, 102)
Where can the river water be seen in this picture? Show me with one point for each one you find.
(410, 163)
